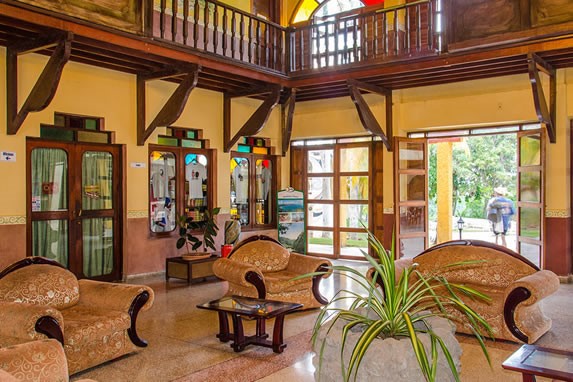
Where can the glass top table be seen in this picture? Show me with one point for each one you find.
(259, 309)
(531, 360)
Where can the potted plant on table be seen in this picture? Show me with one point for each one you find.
(407, 319)
(189, 229)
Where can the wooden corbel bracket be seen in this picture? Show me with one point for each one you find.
(254, 124)
(287, 112)
(45, 88)
(366, 116)
(174, 106)
(545, 113)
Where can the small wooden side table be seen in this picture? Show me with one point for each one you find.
(190, 270)
(531, 360)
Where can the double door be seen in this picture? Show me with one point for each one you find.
(74, 206)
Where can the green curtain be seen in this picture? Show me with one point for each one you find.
(50, 193)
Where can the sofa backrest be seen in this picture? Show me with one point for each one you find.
(498, 267)
(40, 284)
(266, 255)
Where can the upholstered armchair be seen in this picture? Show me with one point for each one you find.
(94, 321)
(515, 285)
(261, 267)
(38, 361)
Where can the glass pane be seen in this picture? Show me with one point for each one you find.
(50, 239)
(354, 188)
(50, 132)
(320, 188)
(530, 154)
(531, 252)
(411, 247)
(195, 186)
(411, 155)
(412, 187)
(162, 192)
(320, 161)
(352, 215)
(354, 159)
(320, 242)
(263, 179)
(353, 243)
(97, 180)
(530, 187)
(49, 180)
(530, 223)
(93, 136)
(97, 235)
(320, 215)
(240, 189)
(412, 219)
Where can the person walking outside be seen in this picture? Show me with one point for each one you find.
(499, 212)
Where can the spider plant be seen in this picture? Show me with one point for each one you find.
(399, 308)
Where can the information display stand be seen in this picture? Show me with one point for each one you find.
(291, 220)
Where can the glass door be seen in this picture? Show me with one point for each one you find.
(530, 195)
(411, 196)
(74, 206)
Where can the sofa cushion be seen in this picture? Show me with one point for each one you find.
(263, 254)
(85, 324)
(277, 282)
(41, 284)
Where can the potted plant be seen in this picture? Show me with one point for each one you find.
(407, 311)
(189, 228)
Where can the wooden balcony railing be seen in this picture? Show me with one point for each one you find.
(393, 33)
(213, 27)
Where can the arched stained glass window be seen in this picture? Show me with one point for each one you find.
(323, 8)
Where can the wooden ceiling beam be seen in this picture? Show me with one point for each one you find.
(46, 85)
(287, 114)
(545, 112)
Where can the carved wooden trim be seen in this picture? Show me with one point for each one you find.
(514, 298)
(174, 106)
(29, 261)
(45, 88)
(316, 284)
(287, 113)
(134, 309)
(257, 281)
(50, 327)
(254, 124)
(545, 113)
(366, 116)
(251, 239)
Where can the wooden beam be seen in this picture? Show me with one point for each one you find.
(172, 109)
(45, 88)
(368, 87)
(287, 112)
(545, 113)
(368, 119)
(254, 124)
(250, 92)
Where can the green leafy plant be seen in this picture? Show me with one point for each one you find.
(399, 308)
(188, 228)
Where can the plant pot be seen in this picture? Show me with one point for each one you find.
(196, 255)
(389, 359)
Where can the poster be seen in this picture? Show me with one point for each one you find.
(291, 220)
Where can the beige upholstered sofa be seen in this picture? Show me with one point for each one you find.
(261, 267)
(94, 321)
(38, 361)
(515, 285)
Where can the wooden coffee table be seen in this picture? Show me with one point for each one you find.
(259, 309)
(531, 360)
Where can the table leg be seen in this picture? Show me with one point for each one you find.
(528, 377)
(261, 328)
(238, 335)
(224, 335)
(278, 345)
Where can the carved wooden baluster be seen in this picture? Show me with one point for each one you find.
(250, 46)
(216, 28)
(326, 43)
(224, 32)
(162, 19)
(407, 39)
(268, 45)
(431, 25)
(185, 22)
(196, 10)
(258, 43)
(346, 53)
(233, 33)
(396, 37)
(301, 47)
(206, 26)
(242, 37)
(355, 39)
(174, 6)
(385, 37)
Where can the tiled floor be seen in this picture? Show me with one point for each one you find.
(183, 347)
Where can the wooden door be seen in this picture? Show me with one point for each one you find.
(74, 206)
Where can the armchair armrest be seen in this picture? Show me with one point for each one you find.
(123, 297)
(240, 273)
(30, 321)
(35, 360)
(527, 291)
(302, 264)
(399, 265)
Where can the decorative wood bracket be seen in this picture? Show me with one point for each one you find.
(174, 106)
(545, 113)
(45, 88)
(254, 124)
(287, 112)
(366, 116)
